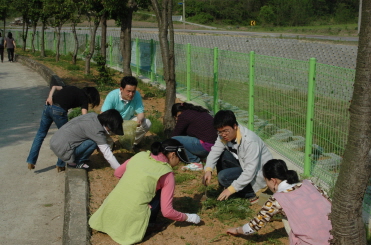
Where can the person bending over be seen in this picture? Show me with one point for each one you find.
(194, 129)
(146, 186)
(305, 205)
(59, 101)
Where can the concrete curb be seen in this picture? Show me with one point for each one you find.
(75, 227)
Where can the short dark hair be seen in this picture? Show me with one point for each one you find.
(113, 120)
(129, 80)
(93, 96)
(170, 145)
(224, 118)
(10, 35)
(277, 168)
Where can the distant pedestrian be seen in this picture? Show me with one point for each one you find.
(1, 47)
(10, 46)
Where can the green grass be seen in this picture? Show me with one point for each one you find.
(183, 177)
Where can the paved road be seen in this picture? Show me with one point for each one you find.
(31, 202)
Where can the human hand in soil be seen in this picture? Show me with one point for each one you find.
(206, 178)
(224, 195)
(193, 218)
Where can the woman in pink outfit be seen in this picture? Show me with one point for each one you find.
(305, 205)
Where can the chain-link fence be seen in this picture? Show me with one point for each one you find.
(282, 95)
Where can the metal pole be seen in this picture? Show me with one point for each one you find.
(137, 54)
(251, 91)
(152, 61)
(110, 51)
(184, 14)
(310, 117)
(188, 72)
(216, 81)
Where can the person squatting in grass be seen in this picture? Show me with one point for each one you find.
(147, 185)
(59, 101)
(238, 155)
(128, 101)
(75, 141)
(305, 205)
(194, 129)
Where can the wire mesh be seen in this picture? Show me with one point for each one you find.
(280, 85)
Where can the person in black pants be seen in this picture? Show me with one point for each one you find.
(10, 45)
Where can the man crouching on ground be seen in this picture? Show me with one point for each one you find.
(238, 155)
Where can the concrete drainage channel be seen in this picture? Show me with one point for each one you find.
(75, 226)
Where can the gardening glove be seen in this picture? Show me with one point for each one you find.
(193, 218)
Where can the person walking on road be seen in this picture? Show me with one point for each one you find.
(55, 110)
(10, 46)
(1, 48)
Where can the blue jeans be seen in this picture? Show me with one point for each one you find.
(193, 148)
(50, 114)
(229, 169)
(84, 151)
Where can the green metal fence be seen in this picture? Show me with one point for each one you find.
(299, 108)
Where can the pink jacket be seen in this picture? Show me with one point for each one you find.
(167, 184)
(307, 212)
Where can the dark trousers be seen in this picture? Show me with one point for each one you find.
(155, 207)
(2, 54)
(229, 169)
(10, 54)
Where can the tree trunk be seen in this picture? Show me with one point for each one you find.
(76, 49)
(355, 172)
(165, 23)
(42, 43)
(24, 33)
(93, 32)
(125, 42)
(34, 25)
(103, 48)
(58, 29)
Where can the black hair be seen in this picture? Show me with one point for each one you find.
(93, 96)
(158, 147)
(129, 80)
(277, 169)
(10, 35)
(113, 120)
(177, 107)
(224, 118)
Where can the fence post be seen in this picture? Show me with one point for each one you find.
(216, 82)
(310, 115)
(250, 124)
(188, 72)
(110, 51)
(152, 61)
(64, 44)
(137, 54)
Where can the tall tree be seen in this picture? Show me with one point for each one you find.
(355, 172)
(61, 12)
(34, 15)
(95, 10)
(23, 6)
(164, 10)
(78, 10)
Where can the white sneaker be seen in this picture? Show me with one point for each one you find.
(193, 167)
